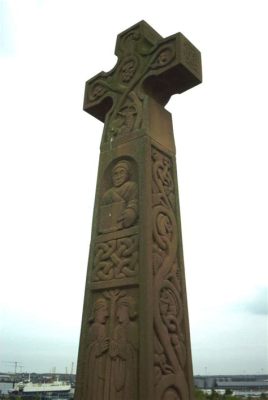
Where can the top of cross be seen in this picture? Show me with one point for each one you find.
(147, 65)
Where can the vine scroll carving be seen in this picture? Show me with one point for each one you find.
(170, 348)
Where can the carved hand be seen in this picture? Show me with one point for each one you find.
(113, 350)
(104, 345)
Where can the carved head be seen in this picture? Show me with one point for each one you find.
(120, 173)
(100, 311)
(126, 309)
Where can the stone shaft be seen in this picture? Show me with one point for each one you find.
(135, 340)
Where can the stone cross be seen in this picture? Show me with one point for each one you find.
(135, 341)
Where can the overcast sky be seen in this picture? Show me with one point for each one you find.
(49, 152)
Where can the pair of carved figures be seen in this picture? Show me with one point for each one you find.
(112, 348)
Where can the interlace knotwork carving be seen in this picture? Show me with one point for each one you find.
(115, 259)
(170, 348)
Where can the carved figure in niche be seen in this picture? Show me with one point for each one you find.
(169, 314)
(123, 352)
(119, 204)
(127, 118)
(128, 114)
(97, 351)
(125, 121)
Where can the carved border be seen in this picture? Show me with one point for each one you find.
(170, 353)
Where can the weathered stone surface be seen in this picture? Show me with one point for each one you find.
(135, 341)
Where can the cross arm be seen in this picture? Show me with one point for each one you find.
(175, 68)
(98, 98)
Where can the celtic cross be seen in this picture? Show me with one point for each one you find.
(135, 341)
(147, 65)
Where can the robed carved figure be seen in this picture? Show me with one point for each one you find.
(135, 340)
(119, 204)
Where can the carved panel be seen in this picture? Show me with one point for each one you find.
(169, 341)
(119, 200)
(115, 259)
(110, 372)
(127, 116)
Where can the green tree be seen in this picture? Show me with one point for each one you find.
(199, 395)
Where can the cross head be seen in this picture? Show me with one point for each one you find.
(148, 65)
